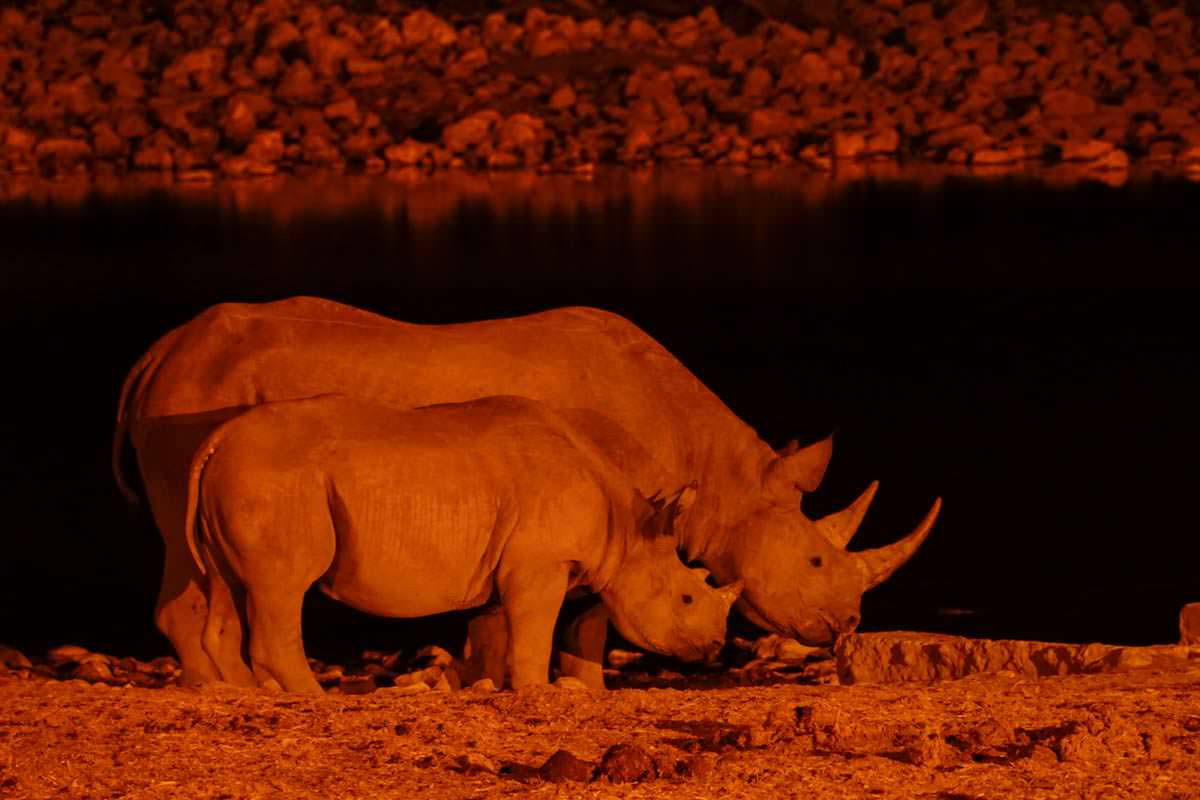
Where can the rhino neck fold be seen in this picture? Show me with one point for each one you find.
(730, 488)
(598, 566)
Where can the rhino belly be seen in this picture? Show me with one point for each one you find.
(415, 595)
(414, 555)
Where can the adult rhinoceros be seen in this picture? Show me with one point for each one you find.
(615, 383)
(407, 513)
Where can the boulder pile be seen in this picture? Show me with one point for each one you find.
(902, 657)
(199, 89)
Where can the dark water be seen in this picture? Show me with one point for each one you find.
(1027, 351)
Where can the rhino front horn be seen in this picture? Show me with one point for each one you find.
(878, 565)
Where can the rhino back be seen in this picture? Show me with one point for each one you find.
(238, 355)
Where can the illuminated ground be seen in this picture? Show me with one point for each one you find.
(1132, 734)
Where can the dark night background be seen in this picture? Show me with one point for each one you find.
(985, 343)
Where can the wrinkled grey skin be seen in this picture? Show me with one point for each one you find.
(616, 385)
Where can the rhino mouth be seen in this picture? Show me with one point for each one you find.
(704, 653)
(815, 630)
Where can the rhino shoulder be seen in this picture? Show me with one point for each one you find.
(300, 308)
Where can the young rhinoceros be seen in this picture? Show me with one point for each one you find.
(405, 513)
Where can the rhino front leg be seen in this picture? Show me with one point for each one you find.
(582, 653)
(486, 650)
(531, 600)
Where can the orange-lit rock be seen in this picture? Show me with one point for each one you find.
(12, 658)
(903, 657)
(421, 27)
(988, 157)
(565, 766)
(1117, 20)
(764, 123)
(64, 154)
(406, 154)
(849, 144)
(563, 98)
(240, 121)
(266, 148)
(1189, 624)
(966, 16)
(972, 56)
(470, 131)
(1091, 150)
(624, 763)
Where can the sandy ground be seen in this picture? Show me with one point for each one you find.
(1134, 734)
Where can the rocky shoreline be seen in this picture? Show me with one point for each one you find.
(197, 91)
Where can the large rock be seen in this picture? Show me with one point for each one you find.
(1189, 624)
(901, 657)
(12, 658)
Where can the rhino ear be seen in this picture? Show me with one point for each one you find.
(665, 516)
(797, 469)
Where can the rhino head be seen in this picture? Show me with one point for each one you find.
(800, 580)
(658, 603)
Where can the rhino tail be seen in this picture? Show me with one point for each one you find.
(195, 475)
(129, 389)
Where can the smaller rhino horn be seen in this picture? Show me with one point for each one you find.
(730, 592)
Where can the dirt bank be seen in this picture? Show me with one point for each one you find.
(1078, 736)
(1100, 722)
(198, 90)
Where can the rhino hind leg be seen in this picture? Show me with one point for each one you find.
(276, 647)
(223, 630)
(582, 653)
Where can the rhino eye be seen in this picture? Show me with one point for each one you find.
(687, 599)
(816, 561)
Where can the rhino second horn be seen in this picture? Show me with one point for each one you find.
(878, 565)
(797, 469)
(840, 527)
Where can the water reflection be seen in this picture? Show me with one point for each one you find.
(430, 199)
(536, 238)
